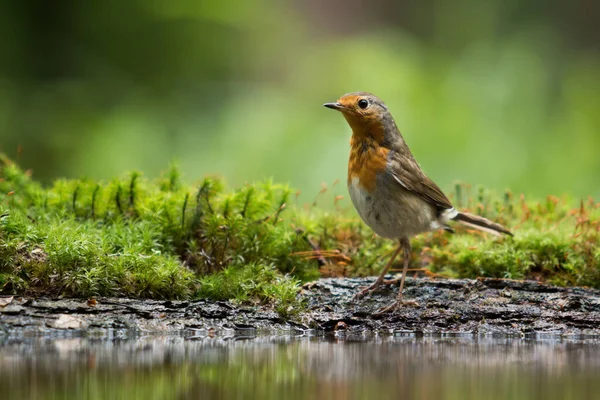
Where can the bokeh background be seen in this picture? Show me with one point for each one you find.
(503, 93)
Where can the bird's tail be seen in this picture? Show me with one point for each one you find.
(483, 224)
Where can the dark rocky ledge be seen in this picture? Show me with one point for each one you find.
(477, 307)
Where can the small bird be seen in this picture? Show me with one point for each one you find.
(391, 193)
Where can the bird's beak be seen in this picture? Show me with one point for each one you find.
(335, 106)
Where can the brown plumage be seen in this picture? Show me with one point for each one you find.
(387, 186)
(483, 224)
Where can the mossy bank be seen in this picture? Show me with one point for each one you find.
(166, 239)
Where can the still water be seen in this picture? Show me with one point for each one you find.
(283, 367)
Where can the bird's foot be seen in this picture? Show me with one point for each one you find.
(369, 289)
(395, 306)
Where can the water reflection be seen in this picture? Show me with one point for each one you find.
(299, 368)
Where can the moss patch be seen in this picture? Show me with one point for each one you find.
(166, 239)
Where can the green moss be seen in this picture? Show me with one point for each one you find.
(252, 282)
(132, 237)
(166, 239)
(552, 242)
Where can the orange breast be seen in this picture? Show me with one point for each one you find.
(367, 159)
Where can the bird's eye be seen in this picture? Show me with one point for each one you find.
(362, 103)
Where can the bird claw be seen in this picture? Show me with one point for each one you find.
(389, 309)
(369, 289)
(363, 293)
(395, 306)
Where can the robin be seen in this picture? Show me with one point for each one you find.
(387, 186)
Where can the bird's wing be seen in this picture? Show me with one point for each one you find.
(407, 172)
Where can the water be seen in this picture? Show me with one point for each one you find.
(281, 367)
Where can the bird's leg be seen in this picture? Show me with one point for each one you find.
(405, 245)
(379, 280)
(407, 251)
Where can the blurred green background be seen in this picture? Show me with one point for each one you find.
(504, 93)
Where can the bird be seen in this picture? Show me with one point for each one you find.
(388, 188)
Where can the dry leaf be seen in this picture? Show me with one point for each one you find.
(65, 321)
(4, 301)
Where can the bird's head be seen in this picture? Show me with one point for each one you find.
(367, 115)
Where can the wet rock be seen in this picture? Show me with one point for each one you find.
(474, 307)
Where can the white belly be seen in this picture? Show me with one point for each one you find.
(392, 213)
